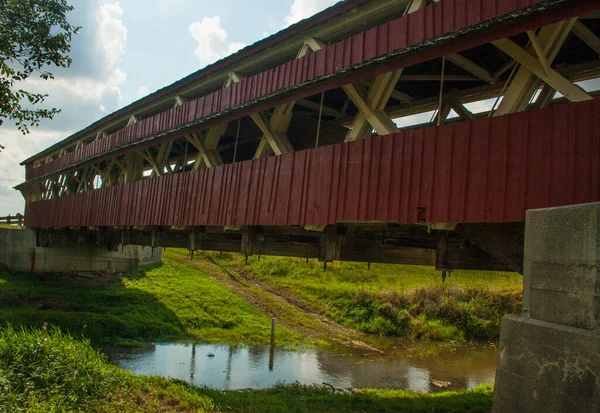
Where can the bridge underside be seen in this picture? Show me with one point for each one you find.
(469, 246)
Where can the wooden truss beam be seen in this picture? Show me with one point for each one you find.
(581, 30)
(470, 67)
(209, 157)
(371, 115)
(274, 136)
(133, 119)
(461, 110)
(542, 70)
(525, 83)
(134, 167)
(160, 163)
(274, 130)
(179, 100)
(371, 105)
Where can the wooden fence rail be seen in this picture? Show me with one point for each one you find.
(13, 220)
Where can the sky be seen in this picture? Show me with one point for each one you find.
(129, 48)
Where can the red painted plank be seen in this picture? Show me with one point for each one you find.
(398, 33)
(460, 14)
(371, 42)
(475, 200)
(357, 42)
(448, 19)
(382, 39)
(416, 27)
(497, 169)
(320, 58)
(384, 178)
(516, 162)
(425, 169)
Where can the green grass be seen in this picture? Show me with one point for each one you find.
(160, 302)
(11, 226)
(394, 300)
(209, 299)
(313, 399)
(47, 371)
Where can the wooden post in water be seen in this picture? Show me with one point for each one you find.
(273, 325)
(272, 350)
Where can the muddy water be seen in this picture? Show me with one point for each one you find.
(405, 365)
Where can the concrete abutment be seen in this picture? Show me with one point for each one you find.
(18, 251)
(549, 356)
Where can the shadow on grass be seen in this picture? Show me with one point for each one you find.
(100, 307)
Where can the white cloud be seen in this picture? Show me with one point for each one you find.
(301, 9)
(213, 43)
(143, 91)
(105, 87)
(111, 34)
(81, 88)
(85, 92)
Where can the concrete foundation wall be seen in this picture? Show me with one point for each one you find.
(549, 357)
(18, 252)
(547, 367)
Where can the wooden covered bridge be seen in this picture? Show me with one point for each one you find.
(401, 131)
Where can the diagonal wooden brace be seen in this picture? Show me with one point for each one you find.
(371, 115)
(551, 77)
(525, 83)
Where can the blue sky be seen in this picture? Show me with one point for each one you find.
(129, 48)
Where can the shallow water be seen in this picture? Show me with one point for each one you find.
(405, 365)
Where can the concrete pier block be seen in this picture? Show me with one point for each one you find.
(549, 357)
(561, 269)
(547, 367)
(18, 251)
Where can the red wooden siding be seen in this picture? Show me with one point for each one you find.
(486, 170)
(434, 21)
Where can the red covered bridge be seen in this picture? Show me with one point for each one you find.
(309, 143)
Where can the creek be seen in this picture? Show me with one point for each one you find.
(406, 364)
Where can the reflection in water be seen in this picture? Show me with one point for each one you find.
(406, 365)
(193, 362)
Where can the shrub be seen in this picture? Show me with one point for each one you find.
(439, 312)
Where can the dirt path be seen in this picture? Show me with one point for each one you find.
(290, 311)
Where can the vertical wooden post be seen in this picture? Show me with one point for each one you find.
(272, 349)
(273, 326)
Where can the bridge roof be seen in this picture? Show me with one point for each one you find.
(331, 24)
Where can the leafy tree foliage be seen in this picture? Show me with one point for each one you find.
(35, 37)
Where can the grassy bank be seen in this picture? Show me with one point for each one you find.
(393, 300)
(160, 302)
(223, 300)
(46, 371)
